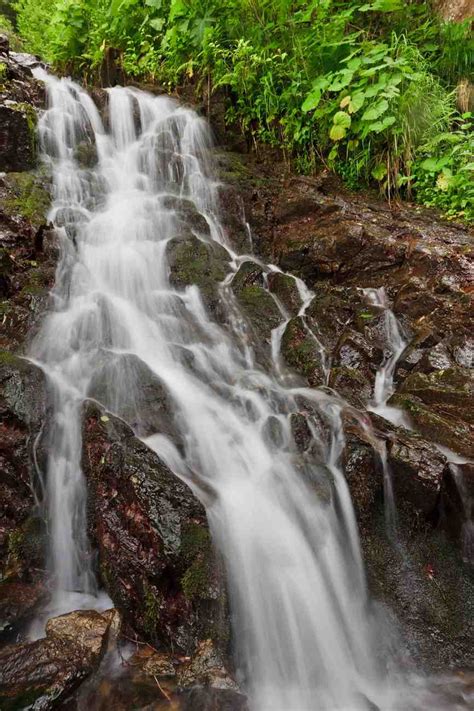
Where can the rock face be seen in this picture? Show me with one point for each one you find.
(28, 260)
(155, 555)
(40, 674)
(343, 245)
(20, 94)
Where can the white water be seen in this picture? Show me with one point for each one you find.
(303, 634)
(383, 389)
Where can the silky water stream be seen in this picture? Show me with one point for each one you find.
(304, 633)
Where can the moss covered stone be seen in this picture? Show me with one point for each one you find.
(456, 434)
(27, 197)
(196, 551)
(205, 264)
(257, 304)
(301, 352)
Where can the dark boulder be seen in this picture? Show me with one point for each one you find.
(17, 137)
(126, 386)
(302, 352)
(283, 286)
(39, 675)
(155, 554)
(205, 264)
(23, 406)
(255, 302)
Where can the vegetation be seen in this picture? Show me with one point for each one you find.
(367, 88)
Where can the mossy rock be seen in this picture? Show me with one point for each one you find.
(27, 197)
(196, 550)
(283, 286)
(257, 304)
(301, 352)
(451, 386)
(454, 433)
(205, 264)
(352, 384)
(18, 134)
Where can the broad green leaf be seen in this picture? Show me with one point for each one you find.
(157, 23)
(379, 172)
(341, 80)
(311, 101)
(432, 165)
(354, 63)
(375, 111)
(379, 126)
(357, 101)
(342, 119)
(382, 6)
(337, 133)
(154, 3)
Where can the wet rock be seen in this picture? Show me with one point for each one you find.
(86, 154)
(128, 388)
(205, 264)
(354, 352)
(450, 388)
(17, 137)
(86, 629)
(332, 310)
(206, 668)
(457, 507)
(285, 289)
(435, 424)
(361, 465)
(301, 352)
(256, 303)
(39, 675)
(23, 406)
(155, 664)
(204, 699)
(187, 212)
(18, 603)
(155, 554)
(352, 385)
(417, 468)
(428, 590)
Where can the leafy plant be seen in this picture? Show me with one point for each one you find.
(363, 87)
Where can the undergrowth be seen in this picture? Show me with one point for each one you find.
(378, 91)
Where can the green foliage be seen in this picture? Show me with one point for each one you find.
(363, 87)
(443, 174)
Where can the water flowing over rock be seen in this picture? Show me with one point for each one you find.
(116, 297)
(216, 431)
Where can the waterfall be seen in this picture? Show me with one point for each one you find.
(302, 628)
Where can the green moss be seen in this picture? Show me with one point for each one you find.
(195, 581)
(259, 307)
(29, 112)
(27, 197)
(301, 353)
(195, 539)
(37, 283)
(7, 358)
(151, 615)
(196, 551)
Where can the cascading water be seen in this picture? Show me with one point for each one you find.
(302, 627)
